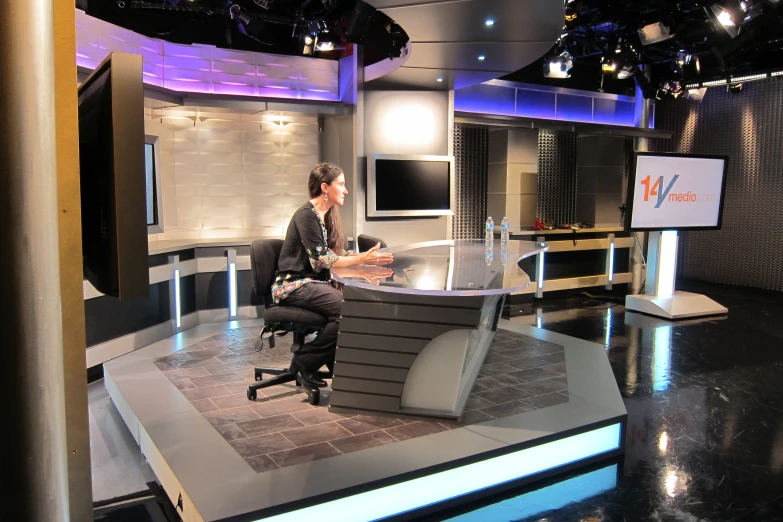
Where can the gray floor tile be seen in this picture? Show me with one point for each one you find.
(304, 454)
(204, 405)
(230, 432)
(206, 393)
(508, 409)
(269, 425)
(270, 408)
(211, 380)
(554, 357)
(362, 442)
(232, 401)
(364, 424)
(261, 463)
(529, 362)
(315, 434)
(544, 401)
(503, 395)
(417, 429)
(234, 415)
(475, 402)
(541, 387)
(532, 374)
(249, 447)
(318, 415)
(474, 417)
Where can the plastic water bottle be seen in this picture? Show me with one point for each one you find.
(489, 240)
(504, 233)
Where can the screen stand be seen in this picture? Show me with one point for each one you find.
(659, 297)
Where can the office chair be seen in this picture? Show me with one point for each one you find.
(279, 320)
(366, 242)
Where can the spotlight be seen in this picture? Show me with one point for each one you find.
(489, 22)
(608, 65)
(558, 66)
(626, 72)
(307, 43)
(481, 58)
(696, 94)
(722, 18)
(654, 33)
(439, 80)
(683, 58)
(735, 88)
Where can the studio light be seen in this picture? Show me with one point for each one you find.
(625, 72)
(558, 66)
(696, 94)
(653, 33)
(481, 58)
(723, 19)
(489, 22)
(608, 65)
(306, 44)
(736, 87)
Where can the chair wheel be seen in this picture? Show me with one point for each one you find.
(259, 375)
(314, 397)
(251, 394)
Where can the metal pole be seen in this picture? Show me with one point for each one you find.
(34, 464)
(642, 112)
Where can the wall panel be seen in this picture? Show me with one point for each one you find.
(747, 127)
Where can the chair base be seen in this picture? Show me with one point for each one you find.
(285, 376)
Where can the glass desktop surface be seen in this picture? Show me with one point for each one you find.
(457, 267)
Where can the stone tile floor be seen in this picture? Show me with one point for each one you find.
(280, 429)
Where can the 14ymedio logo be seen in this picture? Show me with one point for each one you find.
(657, 189)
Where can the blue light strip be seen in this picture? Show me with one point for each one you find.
(424, 491)
(545, 499)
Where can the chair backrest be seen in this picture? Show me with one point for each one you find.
(264, 256)
(366, 242)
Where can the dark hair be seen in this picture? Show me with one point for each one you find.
(327, 173)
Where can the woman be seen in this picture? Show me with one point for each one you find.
(314, 244)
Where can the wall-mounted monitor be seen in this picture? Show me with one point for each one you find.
(410, 186)
(676, 192)
(112, 166)
(152, 181)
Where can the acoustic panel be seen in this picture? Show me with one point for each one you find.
(471, 145)
(557, 176)
(746, 127)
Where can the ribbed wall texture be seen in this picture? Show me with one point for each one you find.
(232, 175)
(556, 176)
(748, 127)
(471, 163)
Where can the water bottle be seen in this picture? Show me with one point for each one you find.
(489, 240)
(504, 233)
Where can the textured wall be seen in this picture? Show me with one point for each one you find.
(556, 176)
(230, 174)
(470, 158)
(748, 250)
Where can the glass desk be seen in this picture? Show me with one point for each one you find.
(414, 334)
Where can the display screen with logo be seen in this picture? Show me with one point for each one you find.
(676, 192)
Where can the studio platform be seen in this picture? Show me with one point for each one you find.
(543, 404)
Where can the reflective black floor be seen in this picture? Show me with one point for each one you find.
(705, 416)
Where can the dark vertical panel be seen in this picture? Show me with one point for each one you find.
(471, 163)
(747, 128)
(107, 317)
(556, 176)
(187, 294)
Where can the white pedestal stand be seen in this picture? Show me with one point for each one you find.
(659, 298)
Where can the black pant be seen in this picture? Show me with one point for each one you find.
(324, 300)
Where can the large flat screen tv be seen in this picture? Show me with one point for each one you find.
(676, 192)
(410, 186)
(113, 184)
(152, 182)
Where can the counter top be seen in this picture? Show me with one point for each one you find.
(444, 268)
(595, 230)
(174, 245)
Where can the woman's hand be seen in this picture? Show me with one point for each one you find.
(373, 257)
(371, 274)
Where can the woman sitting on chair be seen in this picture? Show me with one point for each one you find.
(314, 243)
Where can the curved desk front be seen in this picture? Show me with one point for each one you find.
(413, 343)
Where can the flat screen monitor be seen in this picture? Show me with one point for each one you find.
(676, 192)
(410, 186)
(112, 179)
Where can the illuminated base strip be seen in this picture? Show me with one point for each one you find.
(439, 487)
(549, 498)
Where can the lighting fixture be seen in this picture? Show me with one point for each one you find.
(439, 80)
(625, 72)
(558, 66)
(489, 22)
(324, 46)
(776, 74)
(696, 94)
(307, 43)
(608, 65)
(749, 77)
(654, 33)
(683, 57)
(722, 18)
(713, 83)
(735, 87)
(481, 58)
